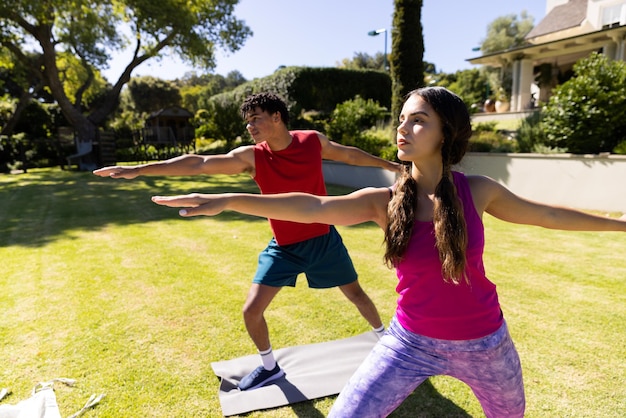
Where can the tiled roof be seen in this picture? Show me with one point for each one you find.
(565, 16)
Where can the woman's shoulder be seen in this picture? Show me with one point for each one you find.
(484, 189)
(477, 180)
(471, 180)
(482, 184)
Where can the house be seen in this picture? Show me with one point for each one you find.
(169, 128)
(570, 30)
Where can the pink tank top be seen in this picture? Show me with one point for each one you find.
(297, 168)
(431, 307)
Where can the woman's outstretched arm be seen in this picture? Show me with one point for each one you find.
(495, 199)
(364, 205)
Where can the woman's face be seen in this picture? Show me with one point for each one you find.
(419, 135)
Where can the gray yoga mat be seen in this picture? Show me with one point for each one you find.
(311, 371)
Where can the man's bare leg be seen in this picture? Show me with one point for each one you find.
(259, 298)
(364, 304)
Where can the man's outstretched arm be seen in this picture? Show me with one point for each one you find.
(239, 160)
(353, 155)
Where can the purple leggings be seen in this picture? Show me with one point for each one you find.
(402, 360)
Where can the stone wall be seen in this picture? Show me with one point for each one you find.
(589, 182)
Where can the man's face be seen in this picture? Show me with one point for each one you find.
(260, 124)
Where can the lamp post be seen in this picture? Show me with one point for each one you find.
(376, 33)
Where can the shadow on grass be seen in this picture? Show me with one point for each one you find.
(427, 402)
(42, 205)
(45, 204)
(424, 402)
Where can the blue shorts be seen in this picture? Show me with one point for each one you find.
(324, 260)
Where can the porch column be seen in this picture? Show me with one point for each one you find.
(515, 88)
(620, 48)
(522, 80)
(610, 50)
(526, 80)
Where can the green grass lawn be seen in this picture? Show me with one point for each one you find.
(101, 285)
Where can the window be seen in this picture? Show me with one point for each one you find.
(613, 15)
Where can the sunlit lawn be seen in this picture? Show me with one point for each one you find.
(101, 285)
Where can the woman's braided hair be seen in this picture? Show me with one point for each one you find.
(448, 218)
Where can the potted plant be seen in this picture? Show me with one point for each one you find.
(502, 101)
(500, 94)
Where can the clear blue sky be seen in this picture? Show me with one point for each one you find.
(321, 33)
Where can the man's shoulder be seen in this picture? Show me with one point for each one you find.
(304, 133)
(243, 149)
(310, 138)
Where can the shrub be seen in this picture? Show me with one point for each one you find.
(530, 133)
(350, 121)
(9, 153)
(485, 127)
(312, 119)
(487, 138)
(311, 95)
(386, 138)
(222, 122)
(491, 141)
(469, 85)
(620, 148)
(587, 114)
(308, 89)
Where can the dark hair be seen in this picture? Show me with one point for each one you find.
(448, 218)
(269, 102)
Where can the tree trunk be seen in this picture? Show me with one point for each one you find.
(85, 125)
(23, 102)
(86, 131)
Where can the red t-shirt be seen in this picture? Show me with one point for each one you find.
(297, 168)
(429, 306)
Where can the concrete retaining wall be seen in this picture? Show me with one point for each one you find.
(357, 177)
(580, 181)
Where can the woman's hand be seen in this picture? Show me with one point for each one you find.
(194, 204)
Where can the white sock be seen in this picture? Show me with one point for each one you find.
(379, 331)
(267, 357)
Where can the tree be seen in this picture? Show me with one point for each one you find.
(407, 52)
(507, 32)
(503, 33)
(364, 61)
(234, 79)
(470, 85)
(587, 114)
(21, 84)
(89, 30)
(149, 94)
(196, 90)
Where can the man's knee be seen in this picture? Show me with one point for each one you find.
(354, 292)
(250, 310)
(259, 298)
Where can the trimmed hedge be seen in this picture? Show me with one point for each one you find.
(318, 89)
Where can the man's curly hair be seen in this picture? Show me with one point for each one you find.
(269, 102)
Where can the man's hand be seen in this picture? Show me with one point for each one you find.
(117, 172)
(395, 167)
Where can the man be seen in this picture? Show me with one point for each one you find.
(280, 161)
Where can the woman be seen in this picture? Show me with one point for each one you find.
(448, 319)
